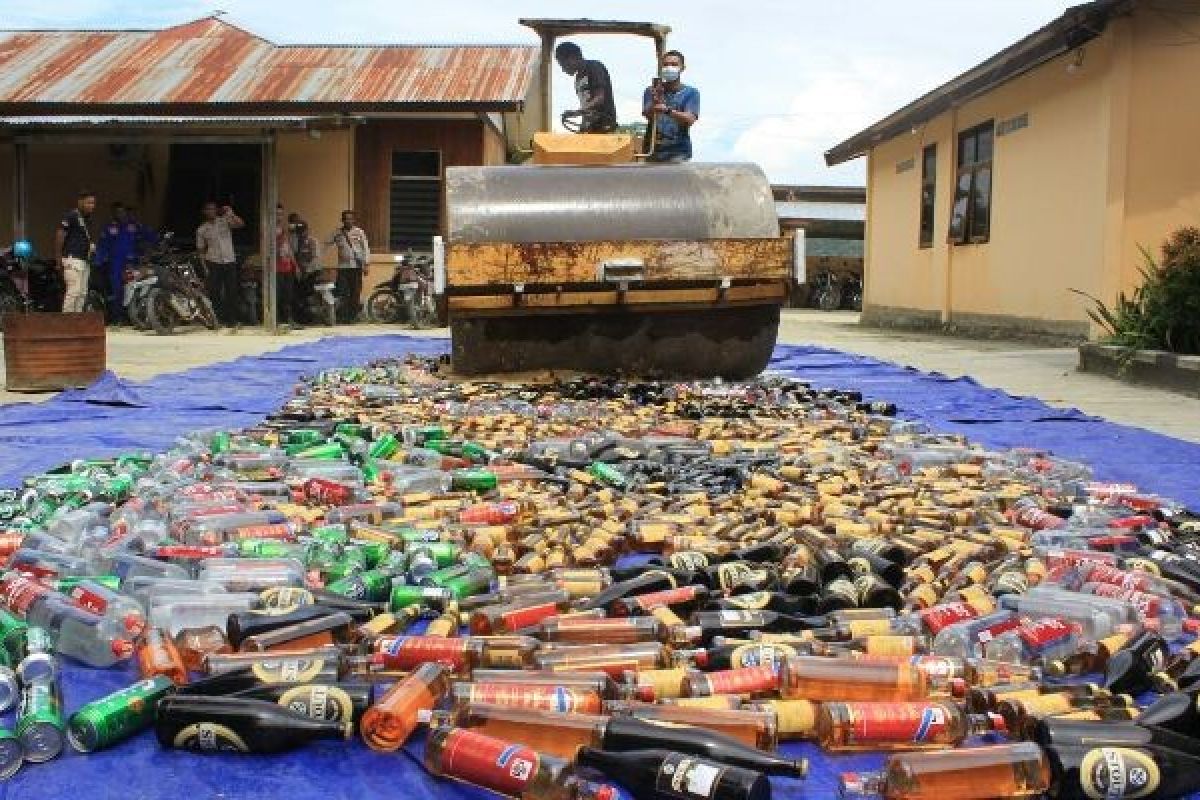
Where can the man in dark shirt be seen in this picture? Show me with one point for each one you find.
(593, 87)
(73, 244)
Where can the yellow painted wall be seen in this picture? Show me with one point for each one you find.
(57, 171)
(316, 178)
(1163, 180)
(1048, 203)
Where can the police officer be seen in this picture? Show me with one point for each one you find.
(120, 245)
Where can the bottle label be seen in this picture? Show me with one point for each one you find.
(409, 652)
(740, 617)
(986, 634)
(328, 703)
(491, 763)
(1014, 582)
(530, 615)
(208, 737)
(280, 599)
(752, 601)
(288, 670)
(1113, 773)
(687, 777)
(1039, 635)
(1148, 605)
(689, 560)
(890, 645)
(667, 597)
(88, 600)
(896, 722)
(940, 616)
(281, 531)
(746, 680)
(20, 593)
(540, 697)
(869, 627)
(731, 574)
(978, 599)
(760, 655)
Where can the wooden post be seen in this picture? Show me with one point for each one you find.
(268, 199)
(20, 195)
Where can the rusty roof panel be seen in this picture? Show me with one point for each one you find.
(209, 61)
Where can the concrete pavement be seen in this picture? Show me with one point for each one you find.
(1016, 367)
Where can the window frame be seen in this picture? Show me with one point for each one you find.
(437, 178)
(967, 220)
(927, 214)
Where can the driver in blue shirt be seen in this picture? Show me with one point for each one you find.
(676, 107)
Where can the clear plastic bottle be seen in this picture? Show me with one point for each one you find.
(244, 575)
(77, 633)
(175, 613)
(128, 566)
(406, 479)
(147, 589)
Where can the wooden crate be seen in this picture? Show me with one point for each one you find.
(46, 352)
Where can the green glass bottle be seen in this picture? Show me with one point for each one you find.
(356, 429)
(65, 585)
(424, 596)
(375, 552)
(607, 474)
(219, 443)
(473, 480)
(301, 436)
(104, 722)
(476, 453)
(13, 632)
(372, 586)
(384, 447)
(12, 754)
(330, 451)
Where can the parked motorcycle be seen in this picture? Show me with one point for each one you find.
(179, 298)
(852, 292)
(408, 295)
(139, 282)
(826, 291)
(316, 298)
(14, 279)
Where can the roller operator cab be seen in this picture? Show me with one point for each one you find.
(589, 259)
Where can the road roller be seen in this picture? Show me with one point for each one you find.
(587, 258)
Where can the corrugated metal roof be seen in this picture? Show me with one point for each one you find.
(209, 61)
(128, 121)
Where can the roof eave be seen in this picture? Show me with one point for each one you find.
(1077, 26)
(236, 108)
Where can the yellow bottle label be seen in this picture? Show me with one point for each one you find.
(1118, 773)
(209, 737)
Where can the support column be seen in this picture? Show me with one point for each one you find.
(20, 194)
(269, 197)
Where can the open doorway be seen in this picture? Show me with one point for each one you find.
(229, 174)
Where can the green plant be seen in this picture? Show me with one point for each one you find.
(1163, 313)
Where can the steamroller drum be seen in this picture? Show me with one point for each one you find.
(690, 202)
(734, 343)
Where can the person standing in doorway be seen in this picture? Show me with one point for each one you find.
(675, 107)
(73, 243)
(214, 244)
(597, 109)
(353, 254)
(285, 270)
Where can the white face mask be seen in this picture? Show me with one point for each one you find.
(670, 74)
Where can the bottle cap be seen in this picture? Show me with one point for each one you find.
(998, 723)
(1191, 624)
(958, 687)
(122, 648)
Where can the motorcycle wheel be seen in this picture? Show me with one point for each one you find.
(422, 312)
(854, 300)
(95, 301)
(160, 313)
(830, 298)
(207, 315)
(384, 306)
(135, 312)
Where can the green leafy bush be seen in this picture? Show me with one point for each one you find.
(1164, 312)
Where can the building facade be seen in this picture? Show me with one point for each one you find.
(1043, 170)
(164, 120)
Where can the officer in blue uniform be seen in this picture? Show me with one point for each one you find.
(120, 245)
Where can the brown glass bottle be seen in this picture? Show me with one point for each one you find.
(238, 725)
(656, 774)
(823, 679)
(392, 719)
(158, 655)
(843, 727)
(977, 773)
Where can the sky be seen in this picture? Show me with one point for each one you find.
(780, 81)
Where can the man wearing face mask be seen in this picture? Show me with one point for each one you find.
(676, 107)
(593, 87)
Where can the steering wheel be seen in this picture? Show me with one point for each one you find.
(573, 124)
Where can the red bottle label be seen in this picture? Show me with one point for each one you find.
(280, 532)
(489, 513)
(1148, 605)
(89, 600)
(746, 680)
(538, 697)
(653, 600)
(21, 592)
(1041, 634)
(321, 491)
(1103, 573)
(1036, 518)
(491, 763)
(530, 615)
(896, 722)
(938, 617)
(409, 652)
(189, 551)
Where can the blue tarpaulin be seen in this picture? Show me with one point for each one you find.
(114, 416)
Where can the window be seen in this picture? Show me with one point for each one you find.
(928, 193)
(971, 216)
(415, 200)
